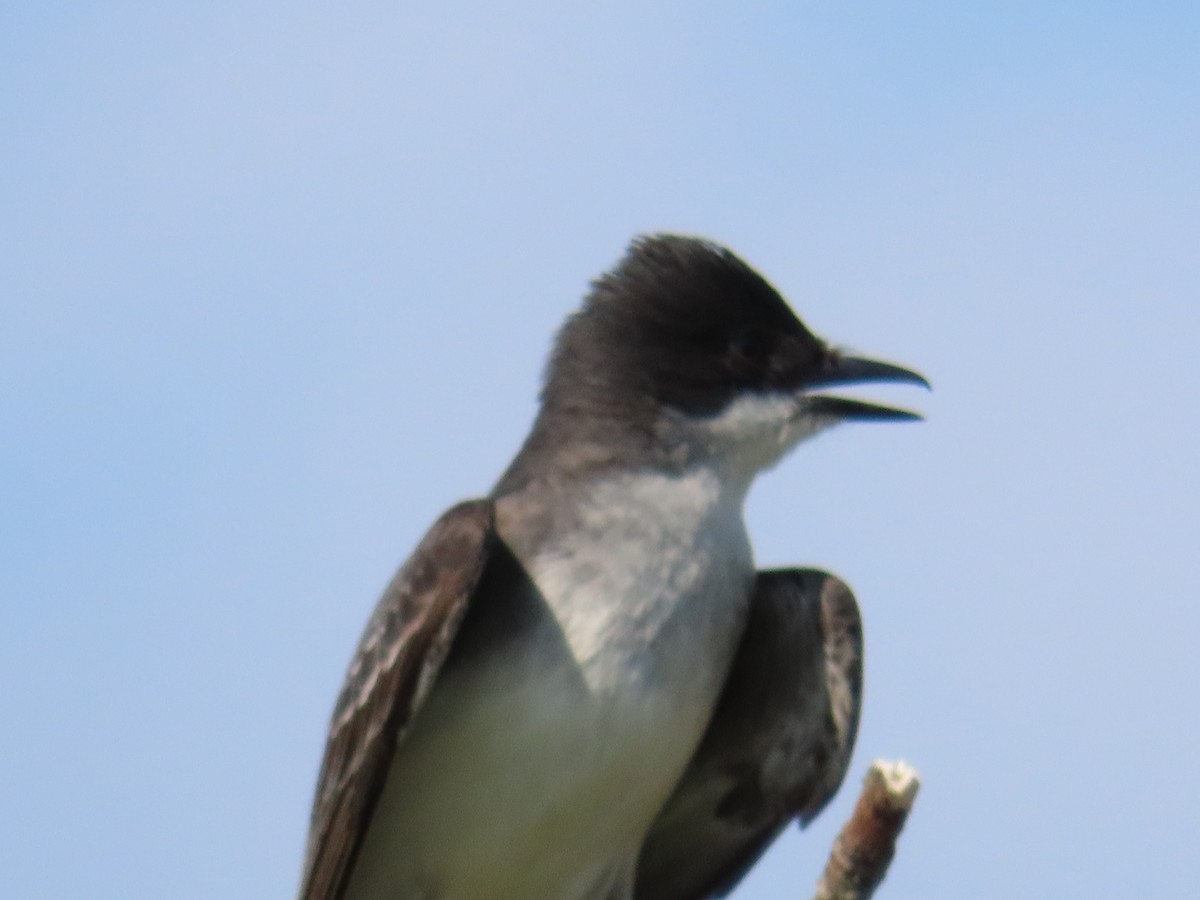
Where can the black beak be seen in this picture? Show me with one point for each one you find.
(838, 370)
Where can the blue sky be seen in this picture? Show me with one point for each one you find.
(268, 271)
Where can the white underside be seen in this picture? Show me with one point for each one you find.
(537, 775)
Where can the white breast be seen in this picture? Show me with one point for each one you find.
(656, 570)
(538, 775)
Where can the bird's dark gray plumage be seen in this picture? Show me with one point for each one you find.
(518, 665)
(397, 659)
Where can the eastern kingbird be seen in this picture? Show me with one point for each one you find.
(578, 687)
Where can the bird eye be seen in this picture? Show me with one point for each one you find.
(750, 349)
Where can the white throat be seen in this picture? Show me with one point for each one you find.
(751, 434)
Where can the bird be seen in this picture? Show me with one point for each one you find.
(579, 687)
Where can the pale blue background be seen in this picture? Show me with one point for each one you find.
(276, 282)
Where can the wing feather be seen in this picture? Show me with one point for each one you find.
(778, 745)
(397, 660)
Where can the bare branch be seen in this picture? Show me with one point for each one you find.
(864, 849)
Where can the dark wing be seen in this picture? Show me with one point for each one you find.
(405, 643)
(778, 745)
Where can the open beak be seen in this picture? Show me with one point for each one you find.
(846, 370)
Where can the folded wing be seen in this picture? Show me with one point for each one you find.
(778, 745)
(397, 660)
